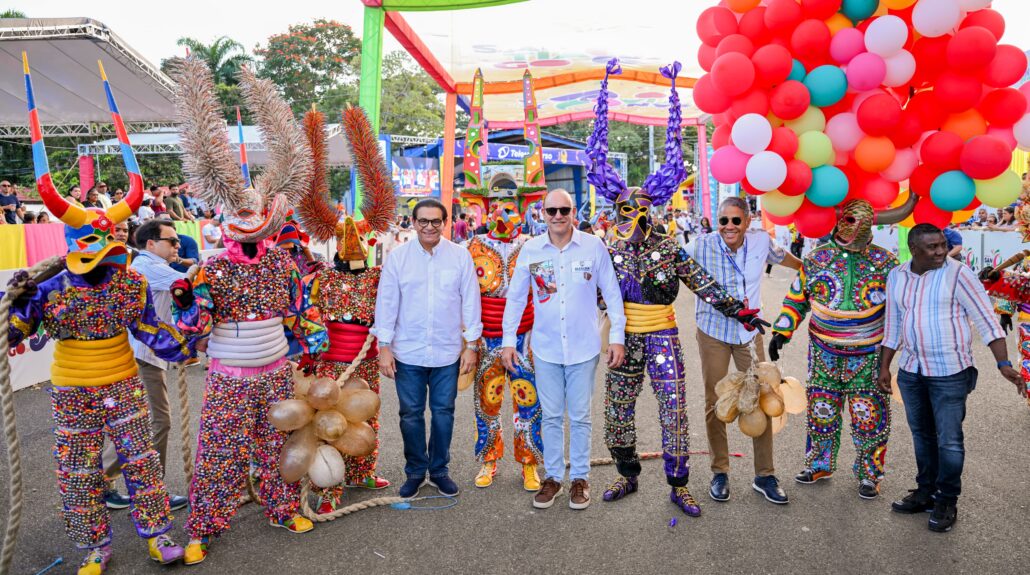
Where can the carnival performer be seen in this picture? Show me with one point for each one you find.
(494, 255)
(1010, 290)
(649, 268)
(842, 283)
(295, 241)
(243, 299)
(89, 309)
(345, 292)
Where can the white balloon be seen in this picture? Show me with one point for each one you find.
(900, 69)
(844, 132)
(886, 35)
(970, 5)
(327, 469)
(751, 133)
(933, 18)
(766, 171)
(1021, 130)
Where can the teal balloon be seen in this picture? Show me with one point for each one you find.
(858, 10)
(952, 191)
(829, 186)
(827, 85)
(797, 71)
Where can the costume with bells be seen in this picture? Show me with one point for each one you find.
(842, 283)
(346, 291)
(243, 299)
(494, 255)
(90, 309)
(649, 268)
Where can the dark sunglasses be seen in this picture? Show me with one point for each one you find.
(565, 210)
(171, 241)
(724, 220)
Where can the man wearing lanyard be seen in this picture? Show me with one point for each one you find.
(735, 257)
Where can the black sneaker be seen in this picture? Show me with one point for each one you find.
(868, 489)
(943, 517)
(720, 487)
(176, 502)
(769, 486)
(444, 485)
(410, 487)
(808, 476)
(917, 501)
(115, 500)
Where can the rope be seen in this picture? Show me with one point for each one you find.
(185, 433)
(357, 359)
(310, 513)
(38, 273)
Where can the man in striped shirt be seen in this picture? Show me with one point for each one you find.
(930, 302)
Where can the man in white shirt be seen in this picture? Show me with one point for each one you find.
(564, 268)
(428, 291)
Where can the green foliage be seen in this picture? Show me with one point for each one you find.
(411, 101)
(224, 57)
(12, 14)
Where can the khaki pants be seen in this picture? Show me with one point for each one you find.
(153, 379)
(715, 362)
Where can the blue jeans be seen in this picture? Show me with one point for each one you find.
(413, 383)
(936, 407)
(560, 388)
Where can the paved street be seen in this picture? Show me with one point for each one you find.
(825, 529)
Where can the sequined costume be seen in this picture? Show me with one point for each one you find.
(842, 283)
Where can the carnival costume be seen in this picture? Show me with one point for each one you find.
(89, 309)
(649, 268)
(1011, 293)
(243, 299)
(843, 283)
(346, 291)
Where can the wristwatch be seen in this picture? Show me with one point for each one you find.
(1005, 363)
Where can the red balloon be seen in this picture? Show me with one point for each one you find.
(714, 24)
(708, 98)
(931, 56)
(1003, 107)
(782, 16)
(754, 102)
(985, 157)
(971, 48)
(927, 213)
(738, 43)
(921, 180)
(1007, 67)
(820, 9)
(879, 192)
(844, 105)
(706, 57)
(941, 151)
(749, 188)
(813, 221)
(924, 106)
(879, 114)
(789, 100)
(752, 25)
(957, 92)
(908, 131)
(973, 204)
(721, 137)
(772, 64)
(784, 221)
(784, 142)
(988, 19)
(733, 73)
(799, 178)
(811, 40)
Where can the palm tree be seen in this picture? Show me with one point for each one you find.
(224, 56)
(12, 14)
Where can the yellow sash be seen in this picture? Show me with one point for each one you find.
(81, 363)
(648, 318)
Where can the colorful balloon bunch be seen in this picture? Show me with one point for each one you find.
(816, 102)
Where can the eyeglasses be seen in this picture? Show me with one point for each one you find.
(424, 223)
(171, 241)
(564, 210)
(736, 220)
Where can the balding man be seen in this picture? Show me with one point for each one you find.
(564, 269)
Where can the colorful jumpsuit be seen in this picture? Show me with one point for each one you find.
(96, 391)
(250, 301)
(495, 263)
(1011, 295)
(845, 290)
(649, 273)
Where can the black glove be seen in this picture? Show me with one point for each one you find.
(30, 291)
(776, 344)
(749, 317)
(988, 274)
(1006, 322)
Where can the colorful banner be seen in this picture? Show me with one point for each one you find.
(12, 247)
(43, 241)
(418, 177)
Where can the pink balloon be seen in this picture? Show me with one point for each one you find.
(846, 44)
(729, 165)
(1025, 89)
(905, 162)
(1005, 135)
(844, 132)
(866, 71)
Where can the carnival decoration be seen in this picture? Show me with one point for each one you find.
(748, 397)
(826, 101)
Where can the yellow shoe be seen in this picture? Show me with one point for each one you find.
(530, 479)
(485, 477)
(164, 550)
(96, 560)
(196, 551)
(295, 524)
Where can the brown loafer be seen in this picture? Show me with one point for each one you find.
(549, 490)
(579, 494)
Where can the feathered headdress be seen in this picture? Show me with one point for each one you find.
(602, 175)
(314, 210)
(379, 202)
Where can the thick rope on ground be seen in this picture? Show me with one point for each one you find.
(305, 507)
(185, 432)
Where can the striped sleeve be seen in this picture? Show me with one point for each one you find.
(892, 325)
(974, 300)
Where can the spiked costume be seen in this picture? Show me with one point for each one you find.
(649, 268)
(842, 283)
(90, 308)
(345, 292)
(243, 299)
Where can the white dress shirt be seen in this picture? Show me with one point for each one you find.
(159, 276)
(424, 300)
(565, 325)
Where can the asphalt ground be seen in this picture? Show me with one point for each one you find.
(826, 528)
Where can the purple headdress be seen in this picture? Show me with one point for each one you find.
(662, 184)
(602, 175)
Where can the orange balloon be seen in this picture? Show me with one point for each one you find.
(838, 22)
(959, 217)
(966, 124)
(902, 198)
(874, 155)
(741, 6)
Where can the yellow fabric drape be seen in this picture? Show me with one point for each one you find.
(92, 363)
(648, 318)
(12, 247)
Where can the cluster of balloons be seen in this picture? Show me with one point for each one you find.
(816, 102)
(327, 421)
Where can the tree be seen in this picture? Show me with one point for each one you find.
(411, 103)
(310, 60)
(12, 14)
(224, 57)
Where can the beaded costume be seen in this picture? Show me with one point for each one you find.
(1010, 291)
(89, 309)
(649, 268)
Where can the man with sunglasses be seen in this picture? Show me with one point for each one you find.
(735, 257)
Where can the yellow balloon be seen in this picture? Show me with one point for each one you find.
(1000, 191)
(812, 120)
(897, 4)
(838, 22)
(781, 205)
(774, 120)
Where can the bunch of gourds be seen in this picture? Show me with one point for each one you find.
(752, 397)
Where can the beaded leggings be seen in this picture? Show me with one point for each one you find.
(82, 416)
(1024, 354)
(489, 398)
(234, 431)
(660, 353)
(833, 380)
